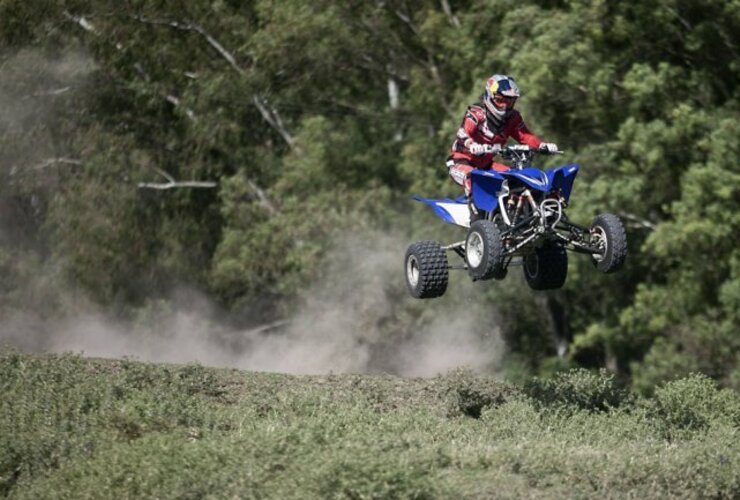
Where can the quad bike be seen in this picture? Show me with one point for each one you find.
(515, 217)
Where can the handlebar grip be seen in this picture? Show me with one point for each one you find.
(548, 152)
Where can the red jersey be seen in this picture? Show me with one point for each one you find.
(479, 128)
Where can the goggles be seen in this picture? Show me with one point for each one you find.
(503, 101)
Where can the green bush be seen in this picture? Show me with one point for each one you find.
(577, 389)
(468, 395)
(58, 408)
(76, 428)
(694, 404)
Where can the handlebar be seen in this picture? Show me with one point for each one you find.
(521, 155)
(522, 148)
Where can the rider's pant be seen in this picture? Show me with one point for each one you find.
(460, 173)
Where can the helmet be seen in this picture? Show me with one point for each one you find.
(500, 95)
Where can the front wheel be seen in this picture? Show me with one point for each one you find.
(484, 252)
(607, 234)
(426, 269)
(547, 267)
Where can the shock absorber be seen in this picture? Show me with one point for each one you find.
(517, 203)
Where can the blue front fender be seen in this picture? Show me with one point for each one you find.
(562, 178)
(486, 186)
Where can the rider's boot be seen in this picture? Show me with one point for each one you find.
(474, 214)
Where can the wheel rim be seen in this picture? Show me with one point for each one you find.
(412, 271)
(474, 250)
(598, 238)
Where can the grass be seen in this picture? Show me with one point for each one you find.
(77, 428)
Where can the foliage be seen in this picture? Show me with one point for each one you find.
(577, 389)
(315, 117)
(470, 395)
(695, 403)
(75, 428)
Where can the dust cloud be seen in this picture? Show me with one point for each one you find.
(359, 318)
(356, 318)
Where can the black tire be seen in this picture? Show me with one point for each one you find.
(484, 251)
(607, 233)
(426, 269)
(547, 267)
(499, 221)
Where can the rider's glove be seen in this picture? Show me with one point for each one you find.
(482, 149)
(549, 147)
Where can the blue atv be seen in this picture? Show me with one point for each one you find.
(514, 218)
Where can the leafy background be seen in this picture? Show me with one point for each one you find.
(317, 121)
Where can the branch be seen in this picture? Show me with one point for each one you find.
(53, 161)
(394, 101)
(172, 99)
(175, 101)
(272, 117)
(430, 63)
(407, 19)
(82, 22)
(220, 49)
(188, 26)
(638, 222)
(448, 11)
(172, 183)
(267, 327)
(52, 92)
(378, 67)
(269, 114)
(262, 197)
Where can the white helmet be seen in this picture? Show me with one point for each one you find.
(500, 95)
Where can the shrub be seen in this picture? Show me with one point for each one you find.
(694, 403)
(468, 395)
(577, 389)
(49, 412)
(75, 428)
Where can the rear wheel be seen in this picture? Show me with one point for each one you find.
(426, 269)
(547, 267)
(484, 251)
(607, 234)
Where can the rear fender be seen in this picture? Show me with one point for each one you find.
(451, 211)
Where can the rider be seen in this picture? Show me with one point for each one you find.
(487, 126)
